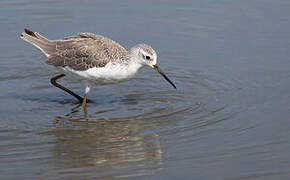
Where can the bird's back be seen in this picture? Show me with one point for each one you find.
(79, 52)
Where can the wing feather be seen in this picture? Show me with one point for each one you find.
(86, 50)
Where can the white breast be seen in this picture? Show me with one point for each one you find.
(110, 74)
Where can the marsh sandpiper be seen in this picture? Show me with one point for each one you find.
(93, 58)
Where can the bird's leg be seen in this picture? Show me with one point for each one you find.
(53, 82)
(84, 104)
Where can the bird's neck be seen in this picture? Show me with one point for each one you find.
(134, 65)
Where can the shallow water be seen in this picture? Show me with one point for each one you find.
(228, 118)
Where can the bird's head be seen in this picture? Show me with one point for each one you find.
(146, 56)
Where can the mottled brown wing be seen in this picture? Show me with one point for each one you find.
(86, 50)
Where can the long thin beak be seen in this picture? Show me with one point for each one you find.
(162, 73)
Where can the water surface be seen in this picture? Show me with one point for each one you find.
(228, 119)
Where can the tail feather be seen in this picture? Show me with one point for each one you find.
(48, 47)
(27, 31)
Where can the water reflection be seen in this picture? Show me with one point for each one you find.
(85, 142)
(121, 136)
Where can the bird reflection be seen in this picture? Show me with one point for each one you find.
(84, 141)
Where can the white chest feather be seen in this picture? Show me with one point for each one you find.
(111, 73)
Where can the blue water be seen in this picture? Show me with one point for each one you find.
(228, 119)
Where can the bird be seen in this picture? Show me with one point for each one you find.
(93, 58)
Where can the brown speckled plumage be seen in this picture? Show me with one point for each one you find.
(79, 52)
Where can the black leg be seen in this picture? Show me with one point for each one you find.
(53, 82)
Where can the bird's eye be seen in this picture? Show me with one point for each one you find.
(147, 57)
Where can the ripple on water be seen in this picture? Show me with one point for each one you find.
(125, 133)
